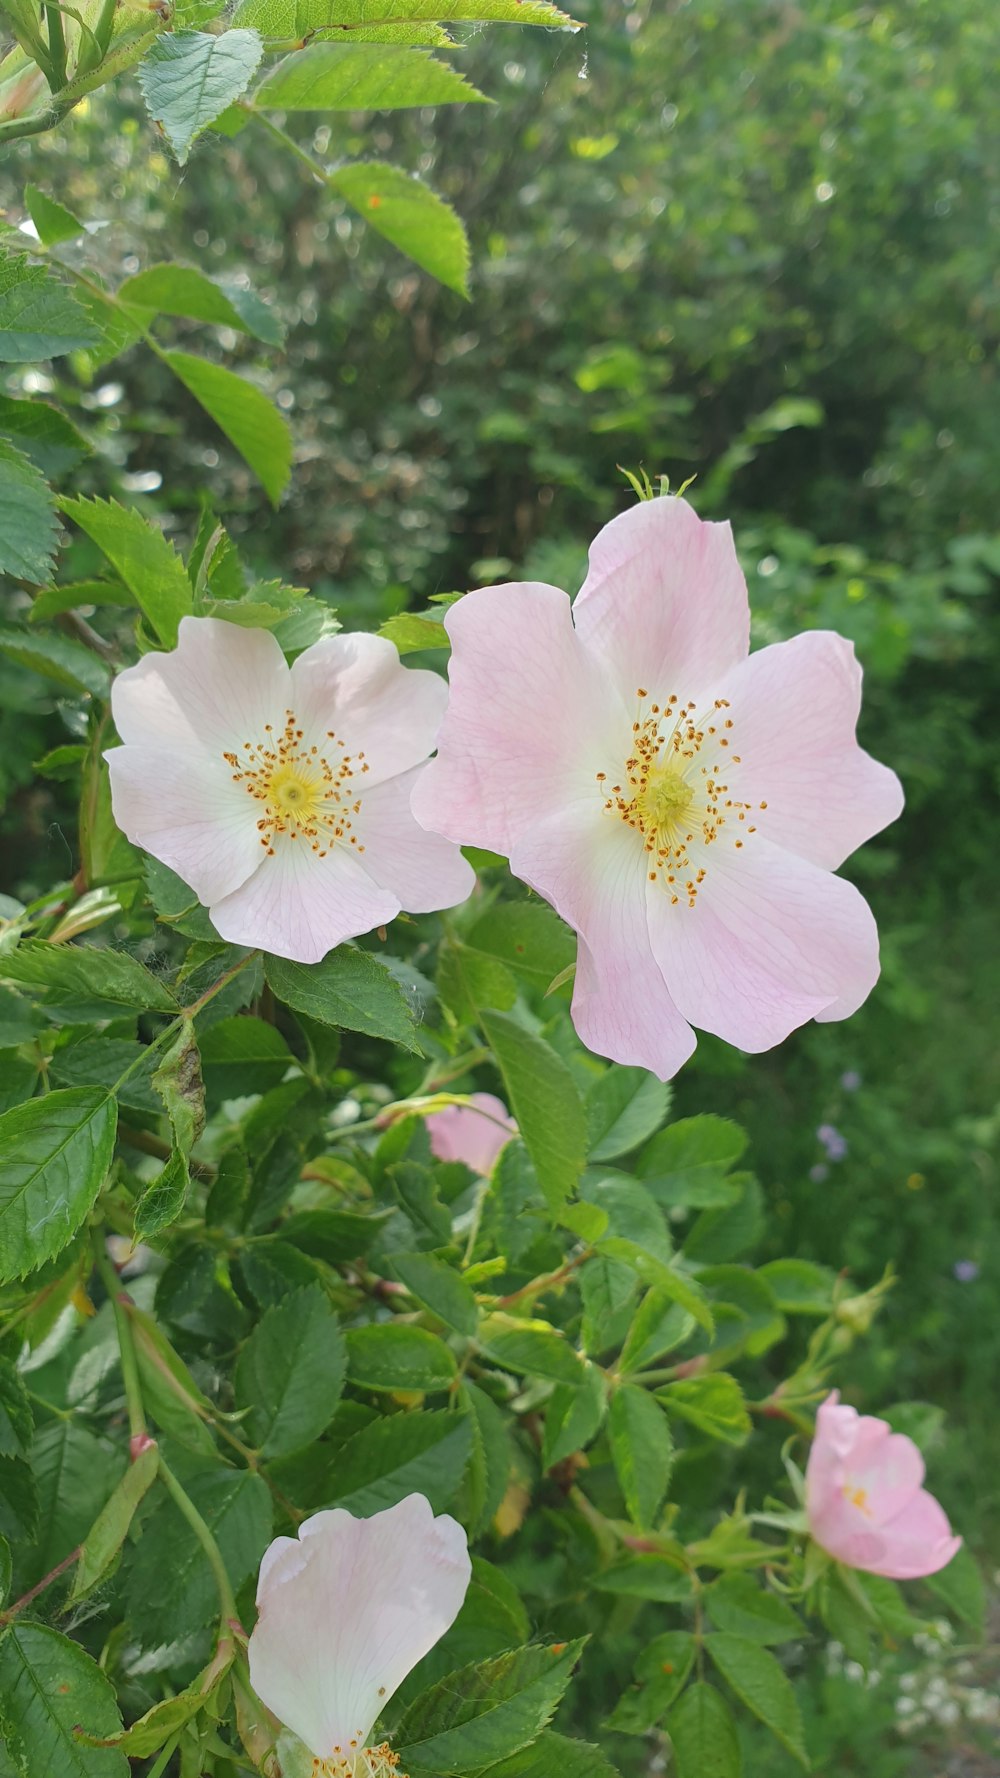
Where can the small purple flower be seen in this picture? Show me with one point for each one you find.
(966, 1271)
(850, 1080)
(833, 1142)
(818, 1173)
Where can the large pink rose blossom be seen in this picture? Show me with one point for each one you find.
(344, 1611)
(864, 1499)
(682, 804)
(473, 1133)
(281, 794)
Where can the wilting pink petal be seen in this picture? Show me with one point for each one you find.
(644, 749)
(865, 1500)
(345, 1610)
(472, 1133)
(282, 795)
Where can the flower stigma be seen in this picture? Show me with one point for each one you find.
(674, 791)
(367, 1762)
(305, 793)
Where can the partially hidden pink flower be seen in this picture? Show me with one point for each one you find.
(345, 1610)
(865, 1501)
(681, 803)
(281, 794)
(473, 1133)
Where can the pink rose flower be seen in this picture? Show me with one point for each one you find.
(345, 1610)
(682, 804)
(281, 794)
(472, 1133)
(864, 1499)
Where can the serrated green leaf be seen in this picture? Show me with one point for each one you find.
(178, 1082)
(182, 290)
(642, 1451)
(50, 1686)
(713, 1403)
(91, 982)
(552, 1754)
(54, 1157)
(624, 1107)
(189, 77)
(16, 1419)
(76, 1474)
(531, 1349)
(53, 221)
(440, 1288)
(409, 632)
(410, 215)
(362, 77)
(736, 1603)
(163, 1198)
(800, 1287)
(251, 424)
(147, 563)
(573, 1416)
(349, 989)
(703, 1735)
(39, 317)
(111, 1527)
(671, 1283)
(546, 1105)
(28, 525)
(686, 1163)
(389, 1357)
(171, 1588)
(658, 1326)
(422, 1453)
(43, 434)
(296, 18)
(485, 1712)
(760, 1683)
(290, 1374)
(68, 663)
(528, 937)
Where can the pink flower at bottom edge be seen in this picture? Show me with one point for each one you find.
(865, 1501)
(682, 804)
(472, 1133)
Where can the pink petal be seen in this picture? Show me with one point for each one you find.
(474, 1133)
(300, 906)
(421, 869)
(183, 807)
(664, 605)
(357, 686)
(216, 689)
(794, 708)
(919, 1540)
(593, 870)
(887, 1467)
(771, 942)
(347, 1610)
(526, 720)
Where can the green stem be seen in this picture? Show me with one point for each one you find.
(57, 46)
(8, 1616)
(126, 1343)
(185, 1505)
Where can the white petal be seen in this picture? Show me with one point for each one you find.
(301, 906)
(347, 1611)
(217, 689)
(183, 807)
(357, 686)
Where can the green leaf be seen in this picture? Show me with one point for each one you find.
(70, 664)
(19, 1505)
(53, 221)
(545, 1103)
(54, 1157)
(45, 435)
(552, 1754)
(111, 1527)
(664, 1278)
(163, 1198)
(28, 527)
(409, 632)
(296, 18)
(528, 937)
(349, 989)
(624, 1107)
(243, 1055)
(49, 1686)
(16, 1419)
(182, 290)
(763, 1686)
(737, 1604)
(531, 1349)
(799, 1286)
(405, 210)
(686, 1163)
(143, 558)
(189, 77)
(178, 1082)
(335, 1236)
(391, 1357)
(402, 1454)
(39, 317)
(642, 1450)
(290, 1374)
(662, 1668)
(79, 983)
(439, 1288)
(961, 1587)
(171, 1589)
(703, 1735)
(362, 77)
(468, 980)
(713, 1402)
(251, 424)
(658, 1326)
(486, 1712)
(573, 1416)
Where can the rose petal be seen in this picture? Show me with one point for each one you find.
(421, 869)
(218, 688)
(357, 686)
(300, 906)
(664, 605)
(183, 807)
(473, 1134)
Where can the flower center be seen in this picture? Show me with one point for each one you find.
(368, 1762)
(857, 1497)
(304, 794)
(673, 790)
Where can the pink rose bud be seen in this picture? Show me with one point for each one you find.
(472, 1133)
(864, 1498)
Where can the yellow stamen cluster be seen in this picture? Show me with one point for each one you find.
(673, 791)
(359, 1762)
(858, 1497)
(304, 793)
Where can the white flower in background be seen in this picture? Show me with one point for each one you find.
(344, 1612)
(281, 794)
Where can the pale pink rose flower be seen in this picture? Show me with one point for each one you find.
(472, 1133)
(344, 1611)
(682, 804)
(864, 1499)
(281, 794)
